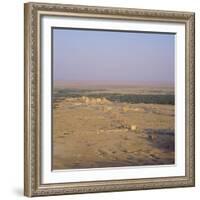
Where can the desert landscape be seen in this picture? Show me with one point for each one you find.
(102, 125)
(113, 99)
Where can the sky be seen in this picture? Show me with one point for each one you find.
(113, 56)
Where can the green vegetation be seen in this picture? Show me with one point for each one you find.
(117, 97)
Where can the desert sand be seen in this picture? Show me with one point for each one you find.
(96, 132)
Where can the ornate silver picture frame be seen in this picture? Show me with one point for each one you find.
(40, 178)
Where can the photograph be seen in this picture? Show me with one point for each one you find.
(113, 98)
(109, 99)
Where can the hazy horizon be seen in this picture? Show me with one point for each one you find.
(107, 57)
(107, 82)
(108, 85)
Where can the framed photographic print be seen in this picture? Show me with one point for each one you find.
(109, 99)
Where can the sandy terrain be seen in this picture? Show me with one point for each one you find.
(95, 132)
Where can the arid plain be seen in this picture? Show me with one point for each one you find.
(112, 126)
